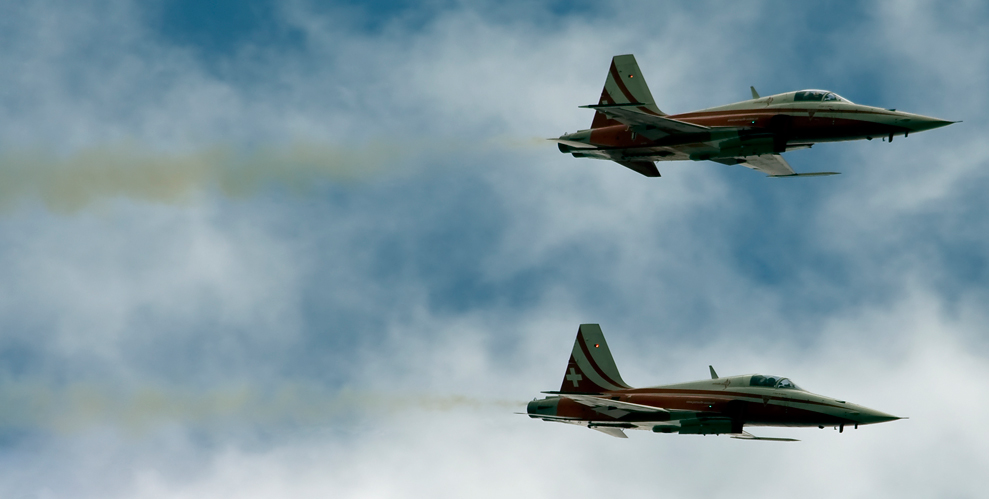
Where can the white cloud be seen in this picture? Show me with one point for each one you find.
(468, 273)
(908, 360)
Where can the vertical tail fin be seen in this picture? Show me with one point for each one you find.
(624, 85)
(591, 368)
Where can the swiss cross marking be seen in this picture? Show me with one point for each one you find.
(573, 376)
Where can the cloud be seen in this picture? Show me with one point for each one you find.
(485, 450)
(465, 276)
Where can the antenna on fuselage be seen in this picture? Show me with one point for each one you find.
(714, 375)
(755, 95)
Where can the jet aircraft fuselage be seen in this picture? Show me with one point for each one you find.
(594, 395)
(629, 128)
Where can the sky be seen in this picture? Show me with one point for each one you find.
(313, 249)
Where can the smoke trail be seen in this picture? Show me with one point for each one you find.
(79, 407)
(69, 183)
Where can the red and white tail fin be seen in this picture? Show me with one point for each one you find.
(624, 85)
(591, 368)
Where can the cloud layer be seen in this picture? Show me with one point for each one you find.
(401, 261)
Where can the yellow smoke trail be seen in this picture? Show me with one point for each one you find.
(71, 182)
(68, 183)
(79, 407)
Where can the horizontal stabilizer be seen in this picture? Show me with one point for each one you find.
(574, 144)
(748, 436)
(600, 402)
(642, 119)
(611, 106)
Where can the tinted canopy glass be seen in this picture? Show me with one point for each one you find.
(818, 96)
(787, 384)
(772, 382)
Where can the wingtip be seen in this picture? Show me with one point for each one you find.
(748, 436)
(811, 174)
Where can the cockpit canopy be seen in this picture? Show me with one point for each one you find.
(818, 96)
(772, 382)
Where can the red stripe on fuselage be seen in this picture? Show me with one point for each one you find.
(773, 111)
(722, 393)
(742, 118)
(801, 127)
(750, 412)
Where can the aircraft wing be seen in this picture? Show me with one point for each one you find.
(771, 164)
(748, 436)
(610, 430)
(647, 168)
(643, 121)
(604, 404)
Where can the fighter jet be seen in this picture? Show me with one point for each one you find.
(629, 128)
(594, 395)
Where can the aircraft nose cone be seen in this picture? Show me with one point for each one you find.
(872, 416)
(920, 123)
